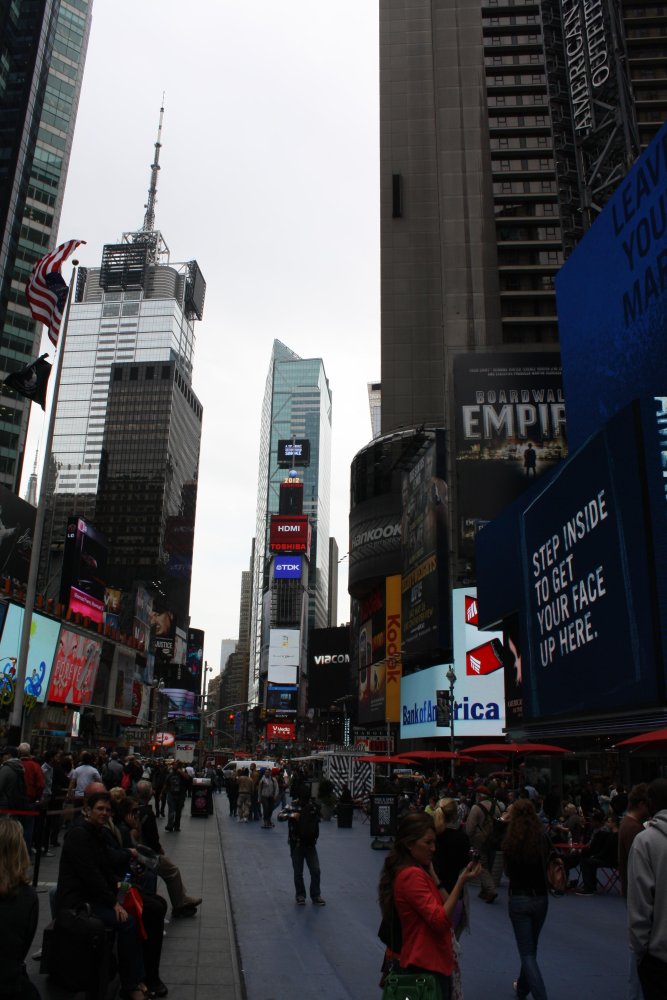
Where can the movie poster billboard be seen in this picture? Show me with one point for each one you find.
(425, 605)
(510, 429)
(141, 623)
(479, 691)
(17, 527)
(163, 633)
(194, 660)
(371, 660)
(74, 668)
(83, 579)
(43, 640)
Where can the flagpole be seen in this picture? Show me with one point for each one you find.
(16, 720)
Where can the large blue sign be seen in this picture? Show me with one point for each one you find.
(612, 301)
(288, 567)
(588, 594)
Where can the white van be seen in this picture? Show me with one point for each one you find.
(235, 766)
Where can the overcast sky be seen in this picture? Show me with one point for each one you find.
(270, 180)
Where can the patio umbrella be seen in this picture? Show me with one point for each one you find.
(382, 759)
(435, 755)
(655, 739)
(509, 749)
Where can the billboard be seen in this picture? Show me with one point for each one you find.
(83, 578)
(293, 454)
(43, 640)
(284, 653)
(612, 300)
(163, 633)
(328, 666)
(589, 559)
(74, 668)
(393, 648)
(290, 534)
(194, 660)
(368, 636)
(424, 706)
(479, 669)
(17, 527)
(287, 567)
(282, 699)
(425, 604)
(281, 730)
(510, 428)
(290, 497)
(143, 608)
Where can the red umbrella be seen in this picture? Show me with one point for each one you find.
(435, 755)
(377, 759)
(508, 749)
(655, 738)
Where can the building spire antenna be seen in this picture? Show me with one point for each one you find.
(149, 217)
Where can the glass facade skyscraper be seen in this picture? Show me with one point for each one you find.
(297, 403)
(42, 52)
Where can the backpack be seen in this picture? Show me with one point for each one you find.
(308, 825)
(15, 796)
(556, 875)
(492, 830)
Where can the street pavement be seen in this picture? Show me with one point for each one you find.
(250, 941)
(333, 951)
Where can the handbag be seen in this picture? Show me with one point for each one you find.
(411, 986)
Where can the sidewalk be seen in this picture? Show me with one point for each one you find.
(199, 960)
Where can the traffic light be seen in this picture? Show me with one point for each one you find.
(211, 732)
(231, 716)
(153, 747)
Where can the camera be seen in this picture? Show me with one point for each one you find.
(474, 856)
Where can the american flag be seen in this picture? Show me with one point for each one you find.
(46, 289)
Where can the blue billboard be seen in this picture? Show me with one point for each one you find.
(612, 300)
(41, 651)
(589, 581)
(288, 567)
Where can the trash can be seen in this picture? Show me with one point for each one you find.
(201, 803)
(344, 812)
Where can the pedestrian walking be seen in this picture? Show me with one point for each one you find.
(526, 852)
(244, 795)
(177, 786)
(647, 895)
(268, 793)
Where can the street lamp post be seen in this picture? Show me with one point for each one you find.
(451, 677)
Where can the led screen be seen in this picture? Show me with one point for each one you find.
(74, 669)
(43, 639)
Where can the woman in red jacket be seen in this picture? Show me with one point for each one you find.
(409, 884)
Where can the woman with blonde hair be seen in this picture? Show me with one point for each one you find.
(452, 854)
(19, 913)
(526, 852)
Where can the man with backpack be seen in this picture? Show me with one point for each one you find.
(303, 829)
(482, 827)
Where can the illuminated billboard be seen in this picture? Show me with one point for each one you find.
(328, 665)
(293, 454)
(282, 699)
(284, 653)
(43, 640)
(479, 669)
(423, 700)
(510, 429)
(290, 534)
(290, 498)
(281, 730)
(83, 578)
(288, 567)
(17, 526)
(194, 660)
(611, 294)
(74, 669)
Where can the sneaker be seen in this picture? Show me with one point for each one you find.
(301, 900)
(189, 901)
(184, 911)
(318, 901)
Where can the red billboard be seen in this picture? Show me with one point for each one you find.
(75, 669)
(290, 534)
(281, 730)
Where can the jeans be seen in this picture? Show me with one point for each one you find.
(634, 986)
(174, 810)
(653, 976)
(267, 809)
(527, 914)
(301, 853)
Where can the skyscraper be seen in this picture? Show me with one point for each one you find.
(297, 404)
(128, 424)
(43, 50)
(500, 140)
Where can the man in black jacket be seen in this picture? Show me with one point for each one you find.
(303, 831)
(182, 904)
